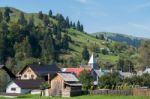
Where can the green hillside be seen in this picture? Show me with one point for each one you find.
(32, 38)
(106, 52)
(131, 40)
(79, 39)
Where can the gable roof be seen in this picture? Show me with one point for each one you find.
(42, 69)
(28, 84)
(68, 77)
(77, 70)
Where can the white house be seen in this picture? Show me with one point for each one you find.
(24, 86)
(147, 70)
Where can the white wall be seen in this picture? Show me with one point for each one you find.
(36, 91)
(18, 89)
(13, 85)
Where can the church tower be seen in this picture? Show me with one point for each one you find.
(92, 62)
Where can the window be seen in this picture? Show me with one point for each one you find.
(25, 76)
(29, 71)
(32, 76)
(13, 89)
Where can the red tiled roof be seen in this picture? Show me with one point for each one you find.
(77, 70)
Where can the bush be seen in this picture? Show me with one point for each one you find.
(110, 81)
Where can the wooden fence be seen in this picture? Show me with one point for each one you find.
(134, 92)
(141, 92)
(111, 92)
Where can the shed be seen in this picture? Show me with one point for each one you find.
(65, 84)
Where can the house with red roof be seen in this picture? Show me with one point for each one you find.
(91, 66)
(77, 71)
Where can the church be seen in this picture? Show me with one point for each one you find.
(91, 66)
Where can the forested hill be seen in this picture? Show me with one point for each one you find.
(27, 38)
(131, 40)
(30, 38)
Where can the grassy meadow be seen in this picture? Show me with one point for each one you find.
(80, 97)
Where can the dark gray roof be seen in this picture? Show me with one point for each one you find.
(43, 69)
(28, 84)
(68, 77)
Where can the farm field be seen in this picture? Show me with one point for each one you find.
(81, 97)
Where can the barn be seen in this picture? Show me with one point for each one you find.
(65, 84)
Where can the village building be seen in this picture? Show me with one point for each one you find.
(92, 63)
(65, 84)
(77, 71)
(91, 67)
(24, 87)
(147, 70)
(38, 71)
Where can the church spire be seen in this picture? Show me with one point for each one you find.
(92, 62)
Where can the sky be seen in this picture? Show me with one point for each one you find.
(130, 17)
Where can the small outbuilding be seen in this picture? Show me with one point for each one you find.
(65, 85)
(24, 87)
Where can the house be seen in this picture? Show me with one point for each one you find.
(147, 70)
(24, 87)
(92, 67)
(65, 84)
(35, 71)
(77, 71)
(126, 74)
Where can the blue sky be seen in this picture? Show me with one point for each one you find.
(130, 17)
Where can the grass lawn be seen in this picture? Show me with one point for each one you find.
(80, 97)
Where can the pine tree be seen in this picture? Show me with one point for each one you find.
(71, 25)
(50, 13)
(45, 20)
(67, 22)
(81, 28)
(22, 21)
(74, 25)
(1, 16)
(48, 50)
(58, 38)
(3, 27)
(40, 15)
(27, 47)
(2, 49)
(31, 22)
(85, 53)
(6, 14)
(78, 26)
(65, 42)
